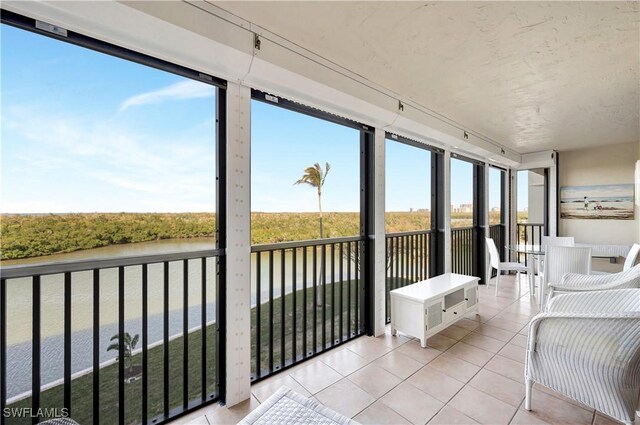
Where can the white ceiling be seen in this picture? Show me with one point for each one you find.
(530, 75)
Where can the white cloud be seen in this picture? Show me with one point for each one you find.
(129, 170)
(178, 91)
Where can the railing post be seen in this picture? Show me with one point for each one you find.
(380, 268)
(238, 245)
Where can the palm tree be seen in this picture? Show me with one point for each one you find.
(129, 345)
(315, 177)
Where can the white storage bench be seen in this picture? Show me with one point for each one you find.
(425, 308)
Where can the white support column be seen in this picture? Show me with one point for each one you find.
(510, 206)
(238, 250)
(487, 224)
(513, 214)
(447, 211)
(380, 233)
(553, 197)
(637, 201)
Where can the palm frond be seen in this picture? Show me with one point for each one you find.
(113, 347)
(134, 341)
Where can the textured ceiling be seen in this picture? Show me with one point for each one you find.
(530, 75)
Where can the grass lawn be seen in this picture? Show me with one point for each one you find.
(328, 299)
(82, 387)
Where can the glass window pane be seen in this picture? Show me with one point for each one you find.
(495, 195)
(286, 146)
(407, 188)
(99, 153)
(461, 193)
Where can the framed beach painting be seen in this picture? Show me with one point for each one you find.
(611, 201)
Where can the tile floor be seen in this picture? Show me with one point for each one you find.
(472, 372)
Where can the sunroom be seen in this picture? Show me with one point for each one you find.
(351, 212)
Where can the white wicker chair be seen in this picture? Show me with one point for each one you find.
(560, 260)
(631, 258)
(629, 261)
(551, 241)
(573, 282)
(587, 347)
(558, 241)
(544, 243)
(503, 266)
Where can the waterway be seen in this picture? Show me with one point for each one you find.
(20, 306)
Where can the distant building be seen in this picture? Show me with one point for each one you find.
(466, 208)
(495, 209)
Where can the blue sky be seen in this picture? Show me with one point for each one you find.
(86, 132)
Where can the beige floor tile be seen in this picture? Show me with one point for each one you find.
(263, 389)
(435, 383)
(455, 367)
(488, 329)
(380, 414)
(482, 407)
(416, 352)
(517, 317)
(519, 340)
(555, 411)
(498, 386)
(374, 380)
(399, 364)
(392, 341)
(506, 324)
(484, 342)
(221, 415)
(411, 403)
(507, 367)
(369, 348)
(523, 417)
(345, 397)
(454, 332)
(195, 418)
(468, 323)
(316, 377)
(469, 353)
(601, 419)
(556, 394)
(344, 361)
(513, 352)
(440, 342)
(450, 416)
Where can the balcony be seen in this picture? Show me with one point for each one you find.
(197, 118)
(472, 372)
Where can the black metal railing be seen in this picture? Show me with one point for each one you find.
(407, 260)
(462, 255)
(529, 234)
(85, 319)
(307, 297)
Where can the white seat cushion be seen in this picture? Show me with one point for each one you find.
(510, 265)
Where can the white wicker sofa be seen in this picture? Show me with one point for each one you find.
(587, 347)
(574, 282)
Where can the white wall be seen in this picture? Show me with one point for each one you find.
(604, 165)
(536, 197)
